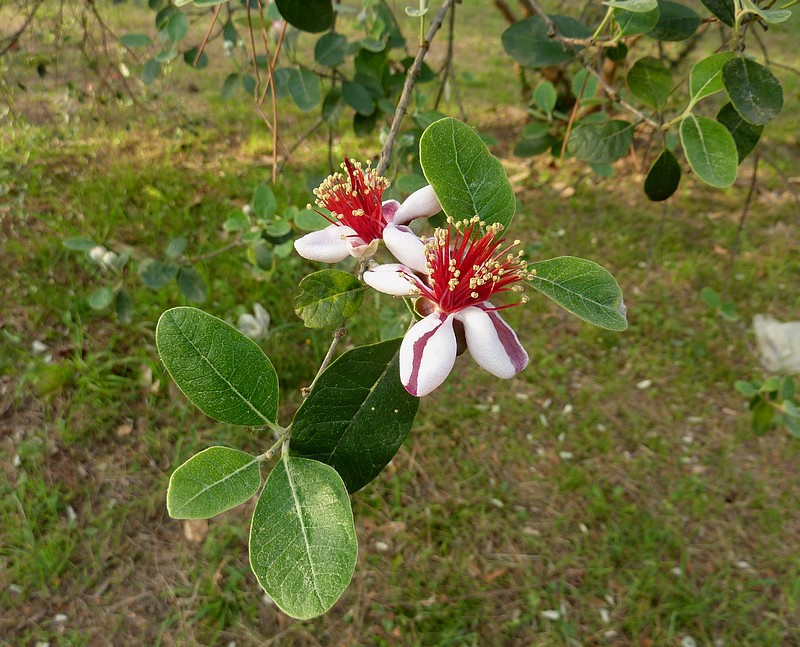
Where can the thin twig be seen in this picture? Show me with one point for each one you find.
(202, 47)
(447, 68)
(338, 335)
(17, 34)
(735, 248)
(215, 252)
(411, 80)
(568, 43)
(316, 126)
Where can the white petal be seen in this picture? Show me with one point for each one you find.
(423, 202)
(406, 247)
(329, 245)
(388, 209)
(492, 343)
(391, 278)
(361, 250)
(427, 354)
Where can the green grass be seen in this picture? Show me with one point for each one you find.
(642, 515)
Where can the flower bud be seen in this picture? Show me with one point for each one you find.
(96, 253)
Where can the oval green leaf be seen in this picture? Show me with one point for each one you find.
(303, 545)
(357, 415)
(631, 23)
(601, 143)
(328, 297)
(213, 481)
(635, 6)
(722, 9)
(675, 21)
(192, 285)
(529, 44)
(467, 178)
(305, 89)
(358, 97)
(123, 306)
(307, 15)
(79, 244)
(132, 41)
(745, 134)
(101, 298)
(583, 288)
(754, 91)
(224, 373)
(264, 203)
(330, 49)
(663, 177)
(706, 76)
(710, 150)
(650, 81)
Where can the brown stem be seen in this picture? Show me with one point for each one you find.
(411, 80)
(202, 47)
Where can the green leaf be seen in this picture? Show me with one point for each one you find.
(631, 23)
(230, 86)
(330, 49)
(225, 374)
(190, 56)
(155, 274)
(332, 106)
(663, 177)
(264, 203)
(650, 81)
(788, 388)
(635, 6)
(177, 26)
(123, 306)
(358, 97)
(583, 288)
(305, 89)
(601, 143)
(79, 244)
(357, 415)
(303, 544)
(176, 247)
(151, 71)
(192, 285)
(711, 297)
(722, 9)
(769, 16)
(675, 21)
(744, 134)
(710, 150)
(101, 298)
(763, 414)
(754, 91)
(529, 44)
(706, 76)
(545, 97)
(466, 177)
(745, 388)
(308, 220)
(328, 297)
(213, 481)
(307, 15)
(133, 41)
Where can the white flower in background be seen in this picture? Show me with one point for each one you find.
(359, 219)
(454, 275)
(778, 343)
(256, 325)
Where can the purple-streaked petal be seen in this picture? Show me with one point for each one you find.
(393, 279)
(427, 354)
(329, 245)
(388, 209)
(406, 247)
(491, 342)
(423, 202)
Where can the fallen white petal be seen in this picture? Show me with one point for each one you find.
(329, 245)
(427, 354)
(423, 202)
(492, 343)
(406, 247)
(391, 278)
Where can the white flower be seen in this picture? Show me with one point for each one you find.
(256, 325)
(359, 220)
(454, 275)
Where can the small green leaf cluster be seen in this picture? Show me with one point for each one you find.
(597, 119)
(774, 403)
(713, 299)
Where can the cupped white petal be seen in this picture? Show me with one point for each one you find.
(392, 278)
(329, 245)
(423, 202)
(360, 250)
(388, 209)
(491, 341)
(406, 247)
(427, 354)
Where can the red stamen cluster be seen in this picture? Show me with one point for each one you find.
(355, 200)
(465, 270)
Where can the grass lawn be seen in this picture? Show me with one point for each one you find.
(611, 494)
